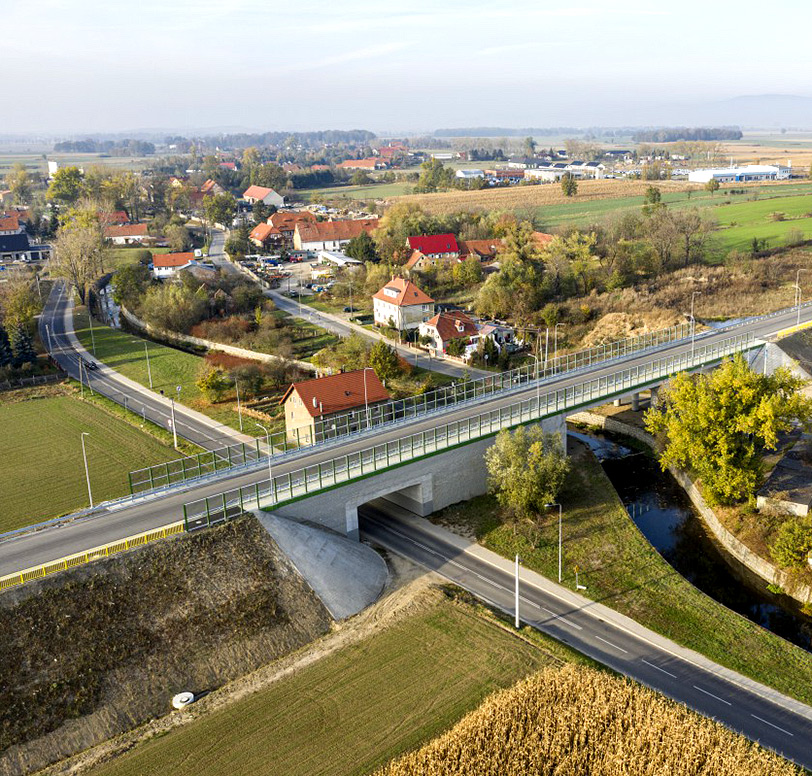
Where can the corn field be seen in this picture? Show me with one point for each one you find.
(573, 721)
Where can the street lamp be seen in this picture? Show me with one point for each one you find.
(516, 608)
(798, 295)
(149, 368)
(270, 453)
(174, 427)
(560, 534)
(87, 471)
(555, 346)
(239, 405)
(366, 395)
(693, 323)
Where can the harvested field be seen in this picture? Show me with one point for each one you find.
(575, 720)
(90, 653)
(521, 197)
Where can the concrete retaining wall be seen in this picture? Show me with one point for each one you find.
(187, 339)
(733, 546)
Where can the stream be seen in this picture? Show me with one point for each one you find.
(665, 516)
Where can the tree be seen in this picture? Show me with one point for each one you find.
(213, 383)
(693, 230)
(130, 284)
(718, 425)
(569, 185)
(219, 209)
(80, 251)
(712, 186)
(384, 360)
(434, 177)
(238, 245)
(177, 237)
(469, 272)
(18, 299)
(361, 178)
(271, 176)
(793, 542)
(67, 186)
(652, 196)
(529, 146)
(259, 212)
(6, 353)
(362, 248)
(19, 183)
(173, 306)
(23, 347)
(526, 469)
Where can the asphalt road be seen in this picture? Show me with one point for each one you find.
(55, 324)
(627, 648)
(108, 525)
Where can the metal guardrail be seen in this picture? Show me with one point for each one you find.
(292, 486)
(80, 558)
(221, 459)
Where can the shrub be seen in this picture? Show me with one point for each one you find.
(793, 543)
(213, 384)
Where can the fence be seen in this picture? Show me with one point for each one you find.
(291, 486)
(80, 558)
(25, 382)
(337, 426)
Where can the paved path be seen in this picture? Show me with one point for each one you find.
(758, 712)
(59, 337)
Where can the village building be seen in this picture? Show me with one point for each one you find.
(330, 235)
(435, 246)
(167, 265)
(311, 404)
(402, 305)
(127, 234)
(444, 328)
(254, 194)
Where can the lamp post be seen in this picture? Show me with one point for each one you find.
(87, 471)
(90, 319)
(174, 427)
(366, 395)
(149, 368)
(693, 323)
(516, 607)
(555, 337)
(270, 453)
(798, 295)
(239, 405)
(560, 534)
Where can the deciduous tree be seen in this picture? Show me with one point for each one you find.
(384, 360)
(569, 185)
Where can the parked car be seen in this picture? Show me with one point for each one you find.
(349, 309)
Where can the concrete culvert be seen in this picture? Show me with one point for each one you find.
(183, 699)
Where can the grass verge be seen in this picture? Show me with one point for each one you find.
(622, 570)
(355, 709)
(43, 472)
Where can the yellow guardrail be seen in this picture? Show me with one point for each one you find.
(80, 558)
(792, 330)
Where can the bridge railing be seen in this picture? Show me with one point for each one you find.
(297, 484)
(182, 470)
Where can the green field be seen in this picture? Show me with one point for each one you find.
(353, 710)
(43, 473)
(121, 257)
(622, 570)
(374, 191)
(38, 162)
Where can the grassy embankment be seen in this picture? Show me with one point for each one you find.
(622, 570)
(355, 709)
(97, 650)
(43, 472)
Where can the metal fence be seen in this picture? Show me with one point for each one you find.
(338, 426)
(80, 558)
(25, 382)
(342, 469)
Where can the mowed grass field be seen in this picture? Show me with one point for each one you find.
(37, 162)
(354, 710)
(43, 474)
(374, 191)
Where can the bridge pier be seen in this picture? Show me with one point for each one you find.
(635, 402)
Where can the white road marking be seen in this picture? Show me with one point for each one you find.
(760, 719)
(611, 644)
(697, 687)
(668, 673)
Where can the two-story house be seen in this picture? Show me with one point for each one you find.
(401, 304)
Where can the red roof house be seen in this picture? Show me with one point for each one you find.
(436, 246)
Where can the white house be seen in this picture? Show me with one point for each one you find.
(445, 327)
(254, 194)
(167, 265)
(400, 303)
(749, 172)
(330, 235)
(127, 234)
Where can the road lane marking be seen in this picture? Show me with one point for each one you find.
(697, 687)
(611, 644)
(761, 719)
(668, 673)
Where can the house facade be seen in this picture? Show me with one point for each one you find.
(401, 304)
(330, 235)
(445, 327)
(128, 234)
(254, 194)
(167, 265)
(435, 246)
(310, 404)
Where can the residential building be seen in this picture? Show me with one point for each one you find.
(445, 327)
(266, 236)
(16, 247)
(128, 234)
(330, 235)
(116, 218)
(436, 246)
(285, 222)
(167, 265)
(749, 172)
(254, 194)
(210, 188)
(10, 224)
(401, 304)
(484, 250)
(346, 393)
(362, 164)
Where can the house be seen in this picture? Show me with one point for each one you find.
(285, 223)
(10, 224)
(401, 304)
(254, 194)
(117, 217)
(16, 247)
(228, 165)
(128, 234)
(210, 188)
(436, 246)
(361, 164)
(330, 235)
(167, 265)
(310, 404)
(265, 235)
(484, 250)
(503, 336)
(445, 327)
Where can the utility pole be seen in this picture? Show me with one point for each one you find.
(270, 454)
(516, 608)
(366, 399)
(81, 381)
(149, 368)
(90, 319)
(87, 471)
(693, 323)
(239, 406)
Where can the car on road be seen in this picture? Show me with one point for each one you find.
(91, 365)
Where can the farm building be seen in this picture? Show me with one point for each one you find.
(750, 172)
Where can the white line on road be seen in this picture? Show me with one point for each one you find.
(696, 687)
(668, 673)
(611, 644)
(760, 719)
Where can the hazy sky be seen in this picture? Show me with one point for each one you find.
(85, 65)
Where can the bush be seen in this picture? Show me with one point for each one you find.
(793, 543)
(213, 384)
(778, 216)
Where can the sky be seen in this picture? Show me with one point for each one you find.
(412, 65)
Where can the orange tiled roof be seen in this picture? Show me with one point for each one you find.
(172, 259)
(403, 293)
(481, 248)
(320, 231)
(338, 393)
(126, 230)
(452, 325)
